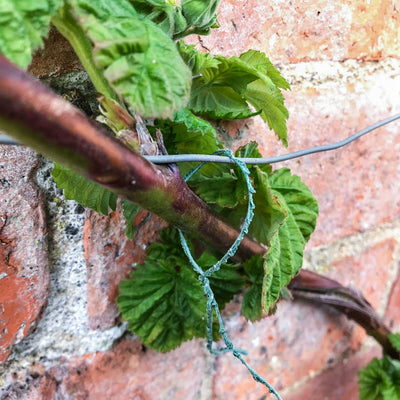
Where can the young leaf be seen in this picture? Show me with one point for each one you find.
(200, 13)
(196, 60)
(135, 56)
(130, 211)
(260, 61)
(164, 303)
(186, 134)
(84, 191)
(24, 24)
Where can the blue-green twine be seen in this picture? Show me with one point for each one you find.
(204, 275)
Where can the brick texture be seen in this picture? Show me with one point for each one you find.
(302, 31)
(24, 269)
(124, 373)
(109, 258)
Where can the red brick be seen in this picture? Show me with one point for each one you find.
(124, 373)
(24, 267)
(337, 383)
(369, 271)
(109, 258)
(290, 346)
(356, 185)
(300, 31)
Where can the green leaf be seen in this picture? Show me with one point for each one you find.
(285, 254)
(251, 306)
(196, 60)
(84, 191)
(226, 282)
(283, 261)
(200, 13)
(380, 380)
(219, 102)
(135, 56)
(250, 150)
(164, 303)
(217, 92)
(220, 190)
(24, 24)
(130, 211)
(270, 102)
(394, 339)
(298, 197)
(260, 61)
(269, 214)
(188, 134)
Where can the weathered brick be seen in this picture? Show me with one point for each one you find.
(301, 340)
(308, 31)
(109, 258)
(369, 271)
(337, 383)
(290, 346)
(356, 185)
(126, 372)
(24, 267)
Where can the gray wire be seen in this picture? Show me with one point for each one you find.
(169, 159)
(269, 160)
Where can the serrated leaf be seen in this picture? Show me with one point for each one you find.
(200, 13)
(164, 304)
(188, 134)
(394, 339)
(196, 60)
(298, 197)
(270, 102)
(260, 61)
(84, 191)
(251, 306)
(219, 102)
(130, 211)
(285, 254)
(135, 56)
(379, 380)
(24, 24)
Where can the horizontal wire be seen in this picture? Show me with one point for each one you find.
(269, 160)
(169, 159)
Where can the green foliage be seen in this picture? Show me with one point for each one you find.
(84, 191)
(380, 380)
(225, 86)
(134, 55)
(200, 13)
(130, 211)
(394, 339)
(24, 24)
(164, 302)
(251, 306)
(92, 195)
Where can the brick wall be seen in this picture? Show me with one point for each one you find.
(60, 335)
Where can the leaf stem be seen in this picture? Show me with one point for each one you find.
(69, 27)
